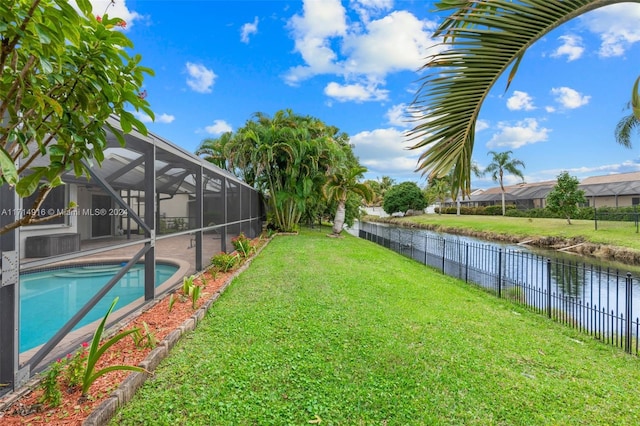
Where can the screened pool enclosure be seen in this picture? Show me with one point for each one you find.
(149, 203)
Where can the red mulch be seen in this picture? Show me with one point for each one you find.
(74, 409)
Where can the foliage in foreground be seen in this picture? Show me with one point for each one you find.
(63, 73)
(356, 334)
(98, 348)
(481, 40)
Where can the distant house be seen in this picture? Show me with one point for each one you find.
(523, 196)
(619, 190)
(616, 190)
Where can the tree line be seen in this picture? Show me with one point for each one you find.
(304, 168)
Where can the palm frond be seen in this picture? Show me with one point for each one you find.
(481, 39)
(624, 128)
(635, 99)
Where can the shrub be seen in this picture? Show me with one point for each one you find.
(51, 395)
(76, 365)
(242, 245)
(97, 350)
(225, 261)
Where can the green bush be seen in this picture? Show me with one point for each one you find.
(626, 214)
(225, 261)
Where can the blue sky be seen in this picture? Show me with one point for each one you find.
(355, 64)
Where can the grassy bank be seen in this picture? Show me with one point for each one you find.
(347, 332)
(621, 234)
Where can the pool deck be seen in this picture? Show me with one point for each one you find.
(179, 250)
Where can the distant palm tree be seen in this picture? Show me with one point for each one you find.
(441, 189)
(338, 187)
(481, 40)
(500, 163)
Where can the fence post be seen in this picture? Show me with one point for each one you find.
(629, 308)
(548, 287)
(466, 261)
(595, 217)
(411, 243)
(443, 253)
(426, 245)
(500, 272)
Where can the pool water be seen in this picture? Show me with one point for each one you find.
(48, 299)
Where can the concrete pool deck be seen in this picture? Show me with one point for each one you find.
(178, 250)
(179, 247)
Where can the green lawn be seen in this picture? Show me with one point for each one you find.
(349, 333)
(621, 234)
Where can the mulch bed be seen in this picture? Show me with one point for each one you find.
(74, 409)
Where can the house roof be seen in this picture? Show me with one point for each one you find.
(612, 178)
(618, 184)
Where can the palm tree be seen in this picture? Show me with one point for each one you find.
(481, 40)
(215, 150)
(630, 122)
(440, 189)
(500, 163)
(624, 129)
(338, 187)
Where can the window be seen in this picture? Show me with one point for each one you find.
(54, 202)
(635, 201)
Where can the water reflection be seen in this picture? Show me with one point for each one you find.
(591, 292)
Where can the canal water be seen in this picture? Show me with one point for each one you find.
(589, 294)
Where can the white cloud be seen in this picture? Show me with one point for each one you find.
(584, 172)
(384, 152)
(162, 118)
(569, 98)
(247, 29)
(523, 133)
(218, 127)
(520, 101)
(354, 92)
(200, 78)
(367, 8)
(406, 116)
(571, 48)
(321, 20)
(397, 116)
(165, 118)
(114, 9)
(362, 51)
(481, 125)
(397, 42)
(617, 26)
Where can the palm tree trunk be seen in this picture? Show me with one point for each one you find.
(503, 207)
(338, 221)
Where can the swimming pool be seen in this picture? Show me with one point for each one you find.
(48, 299)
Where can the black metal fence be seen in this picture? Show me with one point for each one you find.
(595, 300)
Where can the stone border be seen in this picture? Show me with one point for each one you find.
(104, 412)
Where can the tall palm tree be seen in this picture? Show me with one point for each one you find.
(481, 40)
(500, 163)
(338, 187)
